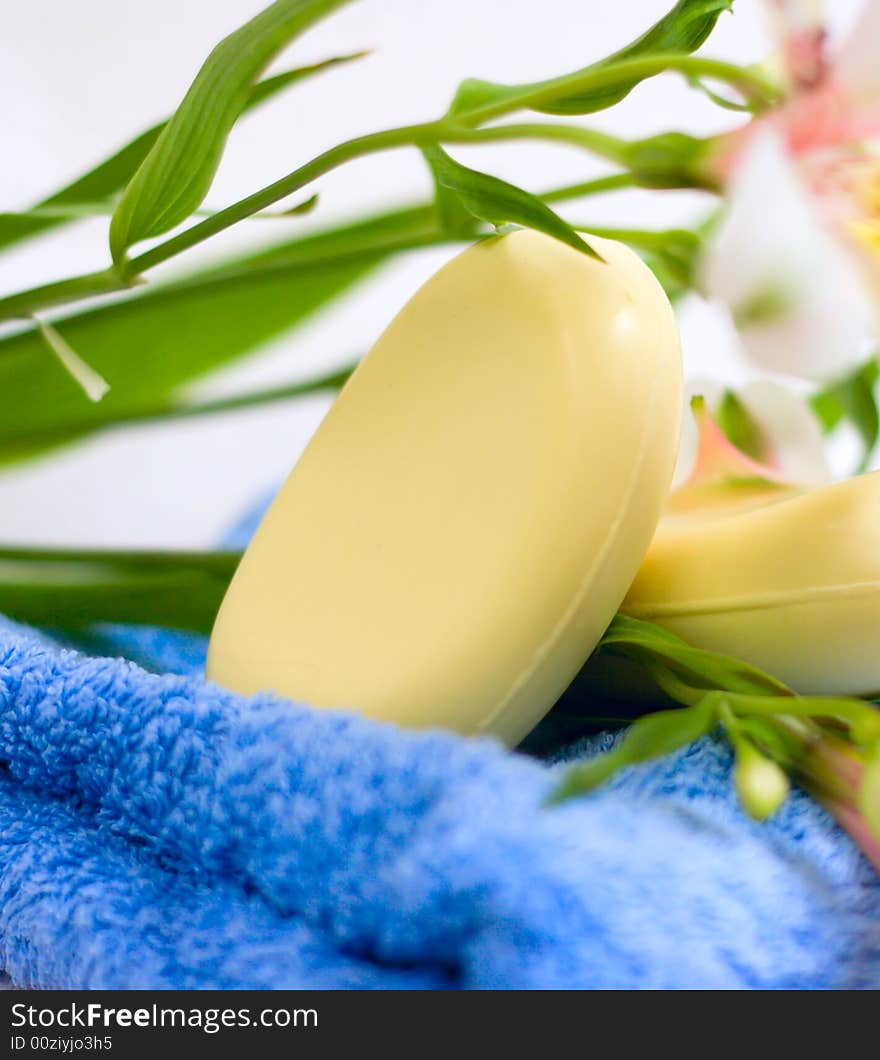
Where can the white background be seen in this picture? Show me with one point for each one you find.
(79, 79)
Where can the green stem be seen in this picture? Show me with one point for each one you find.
(861, 718)
(613, 182)
(752, 84)
(158, 413)
(220, 561)
(405, 136)
(421, 225)
(460, 129)
(598, 143)
(23, 304)
(643, 238)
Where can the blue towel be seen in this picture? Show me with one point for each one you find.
(159, 832)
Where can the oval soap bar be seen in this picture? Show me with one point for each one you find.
(469, 515)
(791, 586)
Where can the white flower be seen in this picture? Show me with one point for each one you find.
(797, 257)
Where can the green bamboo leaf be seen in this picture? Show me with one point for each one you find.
(156, 340)
(860, 718)
(652, 736)
(177, 173)
(96, 188)
(499, 203)
(171, 408)
(682, 30)
(71, 589)
(452, 215)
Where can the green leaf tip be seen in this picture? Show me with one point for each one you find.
(761, 784)
(102, 183)
(498, 203)
(652, 736)
(176, 174)
(680, 31)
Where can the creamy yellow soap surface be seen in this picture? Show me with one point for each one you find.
(472, 510)
(791, 586)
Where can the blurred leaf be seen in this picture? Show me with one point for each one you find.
(711, 670)
(152, 342)
(719, 100)
(652, 736)
(99, 185)
(170, 408)
(304, 207)
(669, 160)
(77, 211)
(854, 400)
(739, 426)
(671, 254)
(174, 178)
(71, 589)
(682, 30)
(499, 203)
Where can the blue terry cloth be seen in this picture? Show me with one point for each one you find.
(158, 832)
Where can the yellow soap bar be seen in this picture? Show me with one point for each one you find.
(466, 520)
(792, 587)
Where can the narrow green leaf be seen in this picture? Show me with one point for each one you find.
(656, 735)
(170, 408)
(301, 208)
(861, 719)
(740, 426)
(452, 215)
(174, 178)
(95, 189)
(71, 589)
(499, 203)
(682, 30)
(162, 337)
(638, 640)
(718, 99)
(652, 736)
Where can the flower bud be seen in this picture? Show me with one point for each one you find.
(760, 783)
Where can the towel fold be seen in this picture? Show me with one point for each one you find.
(157, 831)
